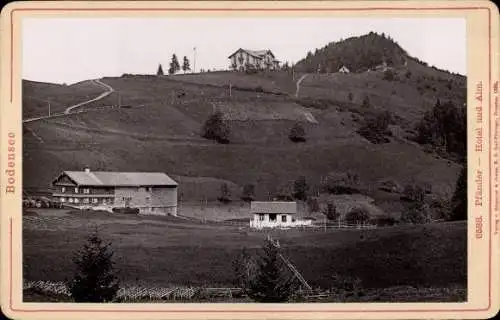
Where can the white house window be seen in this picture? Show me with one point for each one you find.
(86, 190)
(94, 200)
(63, 189)
(76, 190)
(261, 217)
(63, 199)
(283, 218)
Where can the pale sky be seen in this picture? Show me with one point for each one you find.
(68, 50)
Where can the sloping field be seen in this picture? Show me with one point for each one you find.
(166, 251)
(36, 96)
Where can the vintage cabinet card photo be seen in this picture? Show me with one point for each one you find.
(249, 159)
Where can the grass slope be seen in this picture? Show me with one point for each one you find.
(161, 132)
(167, 251)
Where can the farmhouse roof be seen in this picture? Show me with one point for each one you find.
(273, 207)
(255, 53)
(107, 178)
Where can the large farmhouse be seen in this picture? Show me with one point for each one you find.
(275, 214)
(150, 192)
(244, 59)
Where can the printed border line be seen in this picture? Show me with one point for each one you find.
(268, 10)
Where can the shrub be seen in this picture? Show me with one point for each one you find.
(248, 192)
(126, 210)
(300, 189)
(346, 284)
(376, 129)
(341, 183)
(297, 133)
(225, 194)
(313, 204)
(413, 193)
(95, 279)
(416, 213)
(357, 215)
(388, 75)
(331, 212)
(366, 102)
(216, 128)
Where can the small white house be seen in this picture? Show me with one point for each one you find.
(275, 214)
(344, 69)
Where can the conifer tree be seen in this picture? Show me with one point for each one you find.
(95, 279)
(174, 65)
(185, 65)
(272, 281)
(160, 70)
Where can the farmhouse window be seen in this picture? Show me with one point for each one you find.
(76, 190)
(63, 189)
(283, 218)
(86, 190)
(94, 200)
(272, 217)
(261, 217)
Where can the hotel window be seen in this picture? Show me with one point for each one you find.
(77, 200)
(283, 218)
(63, 199)
(63, 189)
(76, 190)
(94, 200)
(86, 190)
(86, 200)
(70, 200)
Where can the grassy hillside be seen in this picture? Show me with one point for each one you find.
(36, 96)
(161, 132)
(167, 251)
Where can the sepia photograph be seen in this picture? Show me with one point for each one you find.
(249, 160)
(244, 160)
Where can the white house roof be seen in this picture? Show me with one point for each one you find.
(256, 53)
(273, 207)
(106, 178)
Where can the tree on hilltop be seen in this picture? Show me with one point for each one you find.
(174, 65)
(185, 65)
(160, 70)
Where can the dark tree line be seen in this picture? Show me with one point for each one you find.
(356, 53)
(445, 127)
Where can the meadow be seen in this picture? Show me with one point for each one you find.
(170, 251)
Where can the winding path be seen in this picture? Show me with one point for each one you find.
(69, 110)
(298, 85)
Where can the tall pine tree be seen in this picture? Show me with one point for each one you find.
(95, 279)
(174, 65)
(160, 70)
(459, 200)
(272, 282)
(185, 65)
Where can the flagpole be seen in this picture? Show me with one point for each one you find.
(194, 60)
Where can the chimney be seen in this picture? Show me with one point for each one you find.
(87, 170)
